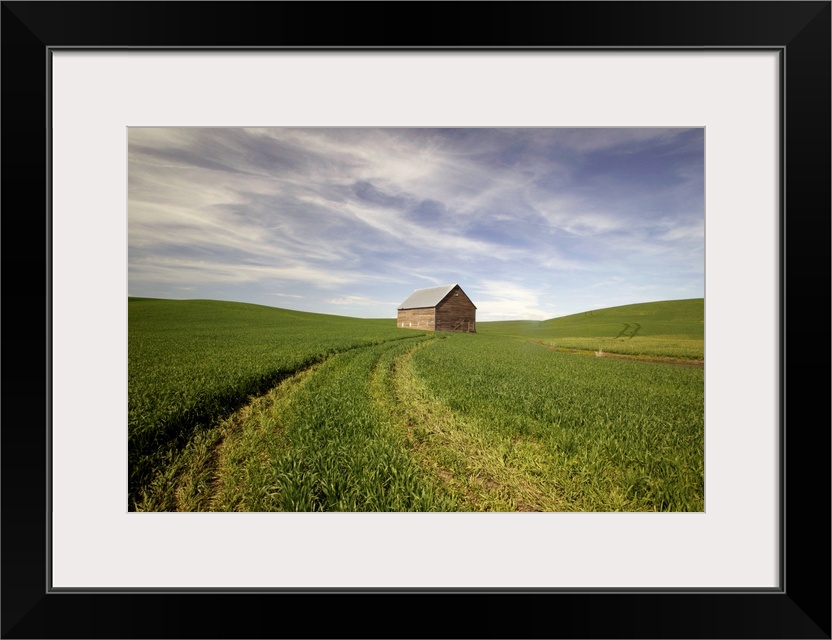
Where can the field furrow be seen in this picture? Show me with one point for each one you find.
(193, 363)
(474, 464)
(316, 442)
(200, 473)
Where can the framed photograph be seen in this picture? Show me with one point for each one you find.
(88, 85)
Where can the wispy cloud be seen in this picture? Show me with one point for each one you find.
(508, 300)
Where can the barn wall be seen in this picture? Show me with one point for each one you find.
(422, 319)
(456, 313)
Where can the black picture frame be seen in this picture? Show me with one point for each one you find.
(799, 31)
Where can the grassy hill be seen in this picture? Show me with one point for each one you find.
(669, 329)
(242, 407)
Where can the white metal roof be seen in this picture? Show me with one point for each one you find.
(426, 297)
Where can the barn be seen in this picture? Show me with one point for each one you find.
(445, 308)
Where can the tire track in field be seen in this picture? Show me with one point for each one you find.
(632, 332)
(195, 478)
(161, 486)
(472, 467)
(181, 480)
(200, 471)
(623, 331)
(232, 472)
(264, 413)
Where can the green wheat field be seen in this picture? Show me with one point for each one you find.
(240, 407)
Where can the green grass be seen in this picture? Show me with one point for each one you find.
(238, 407)
(328, 449)
(593, 434)
(668, 329)
(193, 362)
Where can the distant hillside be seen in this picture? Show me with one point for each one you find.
(671, 327)
(224, 311)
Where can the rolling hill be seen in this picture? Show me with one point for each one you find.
(670, 328)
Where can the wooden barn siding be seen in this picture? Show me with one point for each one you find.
(422, 319)
(456, 313)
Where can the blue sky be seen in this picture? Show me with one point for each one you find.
(532, 223)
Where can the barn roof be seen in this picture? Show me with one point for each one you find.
(427, 297)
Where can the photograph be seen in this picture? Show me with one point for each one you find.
(416, 319)
(372, 306)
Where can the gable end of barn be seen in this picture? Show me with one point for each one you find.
(446, 308)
